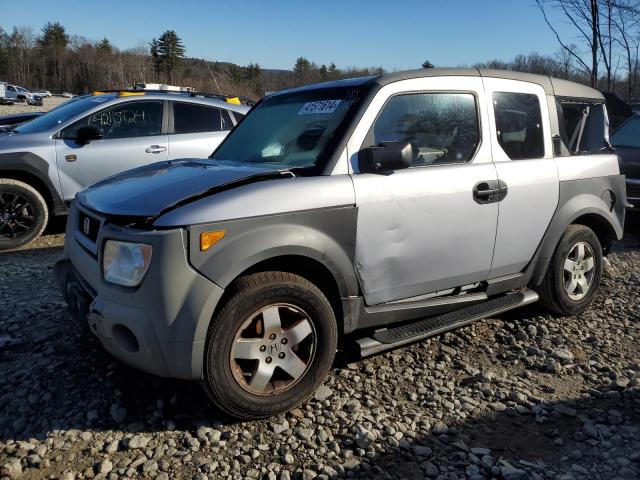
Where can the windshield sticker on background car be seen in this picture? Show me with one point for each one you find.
(322, 106)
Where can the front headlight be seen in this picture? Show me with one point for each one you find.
(125, 263)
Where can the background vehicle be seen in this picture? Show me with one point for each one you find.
(43, 93)
(626, 141)
(7, 122)
(362, 210)
(46, 161)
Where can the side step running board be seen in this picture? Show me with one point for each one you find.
(390, 338)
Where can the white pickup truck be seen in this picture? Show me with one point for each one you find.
(14, 93)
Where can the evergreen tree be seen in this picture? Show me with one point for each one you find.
(155, 58)
(53, 36)
(104, 47)
(170, 51)
(428, 64)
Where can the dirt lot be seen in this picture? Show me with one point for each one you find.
(526, 395)
(48, 104)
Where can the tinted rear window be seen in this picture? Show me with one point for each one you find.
(192, 118)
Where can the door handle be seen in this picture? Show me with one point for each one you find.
(155, 149)
(489, 191)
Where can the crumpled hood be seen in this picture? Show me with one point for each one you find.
(150, 190)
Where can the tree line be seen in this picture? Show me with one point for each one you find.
(57, 61)
(602, 51)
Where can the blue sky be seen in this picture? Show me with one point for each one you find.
(397, 34)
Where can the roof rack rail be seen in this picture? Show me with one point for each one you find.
(235, 99)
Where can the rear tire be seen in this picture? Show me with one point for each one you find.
(23, 213)
(573, 277)
(270, 346)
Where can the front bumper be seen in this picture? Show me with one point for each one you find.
(160, 326)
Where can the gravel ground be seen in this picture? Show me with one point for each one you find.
(48, 104)
(523, 396)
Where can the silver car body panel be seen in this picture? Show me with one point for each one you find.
(400, 249)
(82, 165)
(105, 157)
(526, 211)
(587, 166)
(273, 197)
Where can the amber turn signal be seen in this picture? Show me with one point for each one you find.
(209, 239)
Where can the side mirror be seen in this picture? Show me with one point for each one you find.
(385, 156)
(86, 134)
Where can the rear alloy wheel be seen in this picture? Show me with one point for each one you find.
(579, 271)
(574, 274)
(270, 346)
(23, 213)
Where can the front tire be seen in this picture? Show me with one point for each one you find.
(23, 213)
(270, 346)
(573, 278)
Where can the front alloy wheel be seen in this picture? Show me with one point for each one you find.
(23, 213)
(270, 346)
(273, 349)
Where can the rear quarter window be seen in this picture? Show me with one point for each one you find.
(193, 118)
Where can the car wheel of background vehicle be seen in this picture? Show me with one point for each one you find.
(574, 274)
(270, 346)
(23, 213)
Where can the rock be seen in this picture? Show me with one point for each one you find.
(105, 466)
(193, 444)
(364, 439)
(288, 458)
(202, 434)
(509, 472)
(303, 433)
(308, 475)
(421, 451)
(11, 469)
(279, 428)
(150, 467)
(111, 447)
(322, 393)
(563, 354)
(118, 413)
(137, 441)
(439, 428)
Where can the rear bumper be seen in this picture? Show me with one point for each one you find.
(159, 327)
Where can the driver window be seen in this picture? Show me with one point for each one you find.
(441, 127)
(125, 120)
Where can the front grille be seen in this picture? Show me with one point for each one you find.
(633, 190)
(88, 226)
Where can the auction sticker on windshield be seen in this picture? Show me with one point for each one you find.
(322, 106)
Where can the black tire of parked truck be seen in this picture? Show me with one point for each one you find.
(270, 346)
(23, 213)
(573, 278)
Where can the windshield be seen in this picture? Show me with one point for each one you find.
(628, 135)
(62, 114)
(295, 130)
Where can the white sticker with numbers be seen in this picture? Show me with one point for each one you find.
(322, 106)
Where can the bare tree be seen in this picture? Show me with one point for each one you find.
(626, 23)
(584, 16)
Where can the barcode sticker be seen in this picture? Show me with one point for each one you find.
(322, 106)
